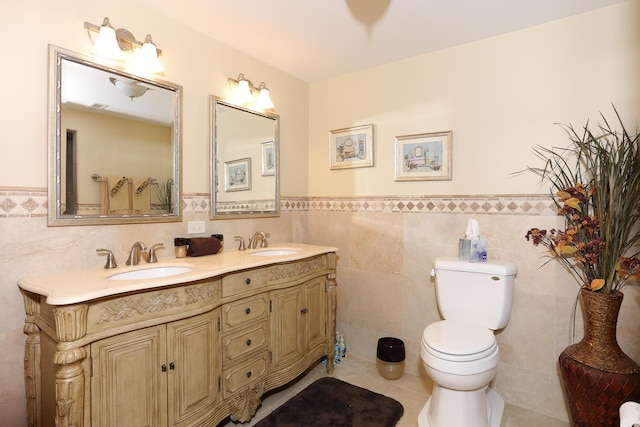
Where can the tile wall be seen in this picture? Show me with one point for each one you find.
(386, 246)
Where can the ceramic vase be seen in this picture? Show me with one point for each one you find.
(598, 376)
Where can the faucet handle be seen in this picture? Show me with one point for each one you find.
(152, 252)
(111, 260)
(242, 246)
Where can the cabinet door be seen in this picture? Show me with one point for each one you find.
(194, 367)
(315, 314)
(286, 327)
(128, 386)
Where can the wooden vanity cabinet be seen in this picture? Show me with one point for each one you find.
(148, 376)
(298, 323)
(188, 354)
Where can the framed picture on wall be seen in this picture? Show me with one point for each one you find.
(268, 158)
(237, 175)
(424, 157)
(351, 147)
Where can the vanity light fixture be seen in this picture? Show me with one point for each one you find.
(264, 100)
(107, 44)
(112, 44)
(246, 94)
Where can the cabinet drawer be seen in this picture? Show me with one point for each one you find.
(245, 341)
(238, 312)
(239, 376)
(243, 281)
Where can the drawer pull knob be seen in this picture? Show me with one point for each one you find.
(248, 343)
(172, 366)
(249, 374)
(248, 281)
(248, 310)
(304, 311)
(164, 368)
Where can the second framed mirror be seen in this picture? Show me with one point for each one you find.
(244, 161)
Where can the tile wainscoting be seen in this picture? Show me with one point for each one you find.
(32, 202)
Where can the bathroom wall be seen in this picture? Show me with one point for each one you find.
(200, 65)
(500, 96)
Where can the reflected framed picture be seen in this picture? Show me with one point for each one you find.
(351, 147)
(268, 158)
(424, 157)
(237, 175)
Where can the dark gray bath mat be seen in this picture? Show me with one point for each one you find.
(331, 402)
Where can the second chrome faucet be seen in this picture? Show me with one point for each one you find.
(253, 241)
(139, 249)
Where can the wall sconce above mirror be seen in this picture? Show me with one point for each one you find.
(112, 44)
(114, 144)
(244, 162)
(247, 95)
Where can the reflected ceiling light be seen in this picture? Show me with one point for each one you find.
(245, 93)
(112, 44)
(128, 88)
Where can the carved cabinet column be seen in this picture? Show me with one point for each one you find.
(70, 325)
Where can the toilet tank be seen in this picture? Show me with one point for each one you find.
(478, 292)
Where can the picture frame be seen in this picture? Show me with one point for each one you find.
(424, 157)
(351, 147)
(237, 175)
(268, 158)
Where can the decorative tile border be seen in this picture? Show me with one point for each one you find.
(19, 202)
(521, 204)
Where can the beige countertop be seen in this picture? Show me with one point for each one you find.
(73, 287)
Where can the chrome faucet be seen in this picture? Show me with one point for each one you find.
(152, 257)
(134, 254)
(253, 242)
(242, 246)
(111, 260)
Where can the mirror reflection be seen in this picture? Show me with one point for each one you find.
(244, 166)
(114, 145)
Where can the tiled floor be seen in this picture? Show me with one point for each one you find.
(410, 390)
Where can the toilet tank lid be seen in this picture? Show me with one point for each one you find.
(501, 268)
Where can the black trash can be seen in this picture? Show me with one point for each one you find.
(390, 358)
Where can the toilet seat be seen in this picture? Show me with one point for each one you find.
(458, 341)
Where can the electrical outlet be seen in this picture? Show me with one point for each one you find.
(195, 227)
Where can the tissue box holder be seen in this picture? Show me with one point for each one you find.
(472, 250)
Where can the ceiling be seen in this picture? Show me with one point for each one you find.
(318, 39)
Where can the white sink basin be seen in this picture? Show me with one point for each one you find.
(150, 273)
(275, 252)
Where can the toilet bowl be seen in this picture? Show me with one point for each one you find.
(460, 353)
(461, 358)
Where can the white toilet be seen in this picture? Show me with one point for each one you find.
(460, 353)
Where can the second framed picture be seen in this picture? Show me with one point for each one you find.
(237, 174)
(268, 158)
(351, 147)
(424, 157)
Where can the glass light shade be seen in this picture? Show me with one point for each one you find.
(264, 100)
(148, 58)
(243, 92)
(107, 45)
(128, 88)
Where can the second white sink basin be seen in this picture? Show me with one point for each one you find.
(275, 252)
(150, 273)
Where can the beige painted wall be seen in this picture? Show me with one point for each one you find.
(499, 96)
(61, 23)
